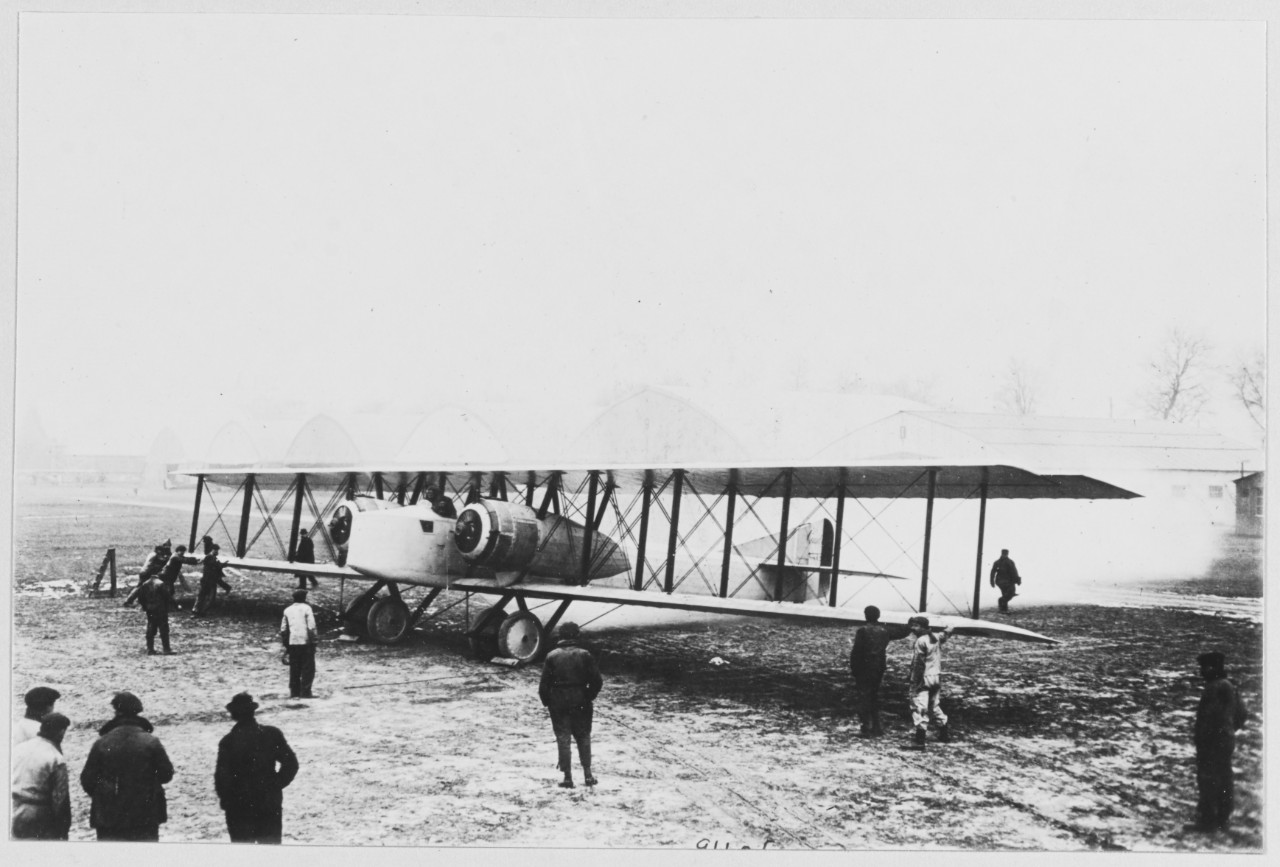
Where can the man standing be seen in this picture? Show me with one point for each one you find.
(39, 701)
(156, 598)
(306, 553)
(249, 786)
(1004, 574)
(210, 579)
(570, 683)
(925, 682)
(41, 799)
(298, 635)
(125, 776)
(1220, 714)
(867, 663)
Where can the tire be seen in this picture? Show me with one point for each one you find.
(387, 621)
(484, 645)
(522, 638)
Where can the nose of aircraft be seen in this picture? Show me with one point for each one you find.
(467, 531)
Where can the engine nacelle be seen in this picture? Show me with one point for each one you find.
(510, 537)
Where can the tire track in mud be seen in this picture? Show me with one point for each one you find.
(795, 822)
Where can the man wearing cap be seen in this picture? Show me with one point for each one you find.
(211, 572)
(171, 574)
(41, 799)
(306, 553)
(298, 635)
(925, 681)
(39, 701)
(1004, 574)
(125, 776)
(1220, 714)
(156, 598)
(867, 663)
(248, 782)
(570, 683)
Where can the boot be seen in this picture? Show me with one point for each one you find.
(587, 778)
(944, 735)
(877, 730)
(919, 744)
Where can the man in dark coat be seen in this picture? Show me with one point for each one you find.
(1220, 714)
(211, 578)
(570, 683)
(171, 574)
(867, 663)
(156, 598)
(306, 553)
(1004, 574)
(249, 785)
(125, 776)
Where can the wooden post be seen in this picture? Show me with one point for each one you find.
(111, 560)
(669, 583)
(243, 538)
(646, 499)
(839, 535)
(982, 525)
(728, 534)
(928, 537)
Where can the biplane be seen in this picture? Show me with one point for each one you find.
(627, 535)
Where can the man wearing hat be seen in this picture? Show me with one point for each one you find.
(1220, 714)
(1004, 574)
(125, 776)
(925, 681)
(570, 683)
(41, 800)
(255, 764)
(39, 701)
(867, 663)
(298, 635)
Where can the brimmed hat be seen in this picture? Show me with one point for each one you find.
(126, 703)
(41, 695)
(1213, 659)
(241, 702)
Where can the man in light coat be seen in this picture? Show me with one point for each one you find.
(925, 681)
(298, 634)
(41, 800)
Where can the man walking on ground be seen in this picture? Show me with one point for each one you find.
(570, 683)
(299, 636)
(1220, 714)
(39, 701)
(41, 799)
(306, 553)
(249, 785)
(867, 663)
(1004, 574)
(926, 680)
(125, 776)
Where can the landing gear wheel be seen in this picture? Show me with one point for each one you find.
(388, 620)
(484, 644)
(521, 637)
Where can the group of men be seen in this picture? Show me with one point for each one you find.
(867, 663)
(127, 769)
(160, 574)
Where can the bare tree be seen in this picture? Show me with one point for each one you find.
(1177, 390)
(1249, 379)
(1018, 394)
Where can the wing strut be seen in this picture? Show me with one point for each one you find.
(982, 525)
(928, 538)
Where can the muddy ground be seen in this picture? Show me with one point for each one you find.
(1080, 746)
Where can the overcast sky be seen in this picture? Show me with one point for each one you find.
(220, 212)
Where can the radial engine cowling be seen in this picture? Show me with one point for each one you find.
(510, 537)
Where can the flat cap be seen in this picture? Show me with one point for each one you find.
(126, 703)
(41, 695)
